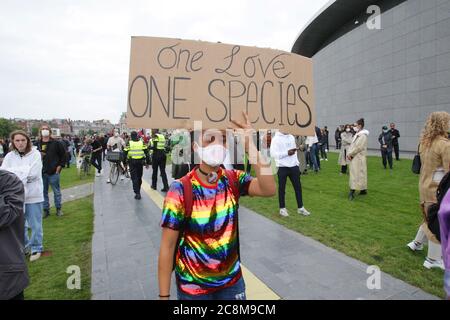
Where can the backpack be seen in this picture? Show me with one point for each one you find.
(188, 204)
(432, 214)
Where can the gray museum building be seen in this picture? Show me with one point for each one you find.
(397, 73)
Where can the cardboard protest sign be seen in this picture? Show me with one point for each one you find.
(175, 82)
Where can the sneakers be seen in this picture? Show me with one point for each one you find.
(430, 263)
(165, 190)
(59, 213)
(35, 256)
(326, 159)
(137, 196)
(284, 212)
(46, 213)
(121, 178)
(153, 187)
(414, 246)
(108, 181)
(303, 211)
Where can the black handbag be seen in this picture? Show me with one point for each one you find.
(417, 163)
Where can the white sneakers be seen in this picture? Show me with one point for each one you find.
(302, 210)
(429, 264)
(415, 246)
(35, 256)
(122, 178)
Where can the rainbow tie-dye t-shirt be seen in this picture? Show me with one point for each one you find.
(207, 258)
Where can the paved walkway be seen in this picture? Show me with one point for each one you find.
(73, 193)
(279, 263)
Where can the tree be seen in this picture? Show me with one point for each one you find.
(35, 131)
(6, 127)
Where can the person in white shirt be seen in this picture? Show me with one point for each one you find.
(311, 142)
(25, 161)
(115, 143)
(284, 150)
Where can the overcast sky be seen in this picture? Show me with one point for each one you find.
(70, 59)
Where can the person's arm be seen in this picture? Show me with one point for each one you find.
(165, 261)
(380, 139)
(12, 196)
(446, 155)
(264, 183)
(358, 146)
(172, 218)
(397, 133)
(61, 153)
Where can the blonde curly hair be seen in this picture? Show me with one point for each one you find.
(437, 125)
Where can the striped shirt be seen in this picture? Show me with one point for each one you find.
(207, 258)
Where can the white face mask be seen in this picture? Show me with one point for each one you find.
(45, 133)
(348, 129)
(116, 134)
(213, 155)
(356, 129)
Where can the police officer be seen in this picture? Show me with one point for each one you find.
(137, 154)
(158, 145)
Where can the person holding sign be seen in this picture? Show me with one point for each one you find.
(200, 234)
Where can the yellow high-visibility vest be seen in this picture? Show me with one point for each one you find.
(161, 144)
(136, 149)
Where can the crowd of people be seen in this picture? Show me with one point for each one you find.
(208, 180)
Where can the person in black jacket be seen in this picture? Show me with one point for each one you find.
(53, 160)
(385, 140)
(337, 138)
(13, 268)
(395, 135)
(317, 149)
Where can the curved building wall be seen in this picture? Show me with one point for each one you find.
(399, 74)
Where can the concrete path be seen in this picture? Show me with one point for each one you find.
(73, 193)
(289, 265)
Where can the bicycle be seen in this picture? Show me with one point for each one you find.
(85, 167)
(117, 167)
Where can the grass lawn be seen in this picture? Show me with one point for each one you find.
(69, 240)
(71, 178)
(374, 228)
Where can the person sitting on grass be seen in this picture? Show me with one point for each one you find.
(206, 241)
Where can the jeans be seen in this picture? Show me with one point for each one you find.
(323, 153)
(33, 217)
(294, 175)
(313, 157)
(235, 292)
(386, 155)
(53, 181)
(447, 283)
(96, 161)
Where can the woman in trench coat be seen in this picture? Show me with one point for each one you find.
(357, 155)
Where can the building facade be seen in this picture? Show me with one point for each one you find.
(398, 73)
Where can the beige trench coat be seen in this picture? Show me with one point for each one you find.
(347, 138)
(301, 154)
(358, 165)
(435, 163)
